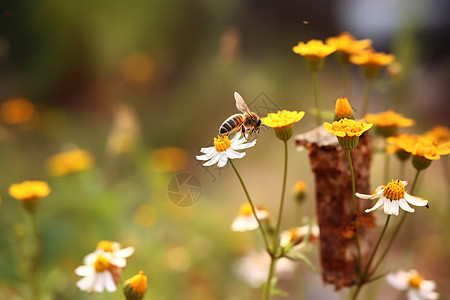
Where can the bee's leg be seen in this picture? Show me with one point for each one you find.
(243, 130)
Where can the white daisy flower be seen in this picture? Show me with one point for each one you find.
(411, 281)
(225, 149)
(253, 268)
(114, 249)
(246, 221)
(393, 196)
(295, 235)
(100, 271)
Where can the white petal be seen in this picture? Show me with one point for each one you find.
(222, 161)
(376, 206)
(109, 282)
(84, 270)
(90, 258)
(118, 262)
(394, 207)
(387, 206)
(397, 281)
(262, 214)
(86, 283)
(214, 160)
(415, 200)
(243, 146)
(125, 252)
(427, 285)
(247, 223)
(429, 295)
(371, 196)
(99, 283)
(234, 154)
(405, 183)
(413, 295)
(236, 138)
(404, 205)
(208, 149)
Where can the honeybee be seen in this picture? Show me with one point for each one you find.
(247, 122)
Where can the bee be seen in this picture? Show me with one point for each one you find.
(247, 122)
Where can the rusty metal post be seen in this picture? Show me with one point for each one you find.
(334, 204)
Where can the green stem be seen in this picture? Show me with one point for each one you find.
(316, 99)
(347, 84)
(366, 271)
(366, 97)
(397, 228)
(386, 167)
(261, 228)
(274, 254)
(355, 211)
(35, 267)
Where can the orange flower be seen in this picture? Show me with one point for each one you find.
(16, 111)
(347, 45)
(314, 52)
(388, 122)
(371, 62)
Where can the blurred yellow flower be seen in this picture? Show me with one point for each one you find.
(169, 159)
(395, 70)
(347, 128)
(29, 190)
(388, 122)
(314, 49)
(372, 59)
(296, 235)
(397, 144)
(138, 67)
(135, 287)
(16, 111)
(343, 109)
(347, 44)
(440, 134)
(69, 161)
(299, 190)
(246, 221)
(426, 148)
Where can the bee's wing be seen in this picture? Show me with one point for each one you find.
(240, 103)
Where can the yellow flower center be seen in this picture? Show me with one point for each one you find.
(415, 280)
(246, 209)
(138, 282)
(101, 264)
(222, 143)
(106, 246)
(394, 190)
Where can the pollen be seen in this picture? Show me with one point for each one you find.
(106, 246)
(246, 209)
(394, 190)
(222, 143)
(101, 264)
(415, 280)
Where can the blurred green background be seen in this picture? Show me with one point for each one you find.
(162, 74)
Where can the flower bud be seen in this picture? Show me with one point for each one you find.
(135, 287)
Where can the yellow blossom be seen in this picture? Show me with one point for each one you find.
(137, 283)
(282, 122)
(397, 144)
(440, 134)
(347, 128)
(314, 52)
(347, 45)
(69, 161)
(29, 190)
(343, 109)
(388, 122)
(16, 111)
(299, 190)
(426, 148)
(371, 62)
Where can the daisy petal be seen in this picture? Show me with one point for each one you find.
(415, 200)
(376, 206)
(397, 281)
(222, 161)
(394, 207)
(214, 160)
(404, 205)
(84, 270)
(387, 206)
(413, 295)
(86, 283)
(109, 282)
(234, 154)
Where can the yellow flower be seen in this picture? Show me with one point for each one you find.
(70, 161)
(299, 190)
(398, 143)
(347, 131)
(343, 109)
(347, 128)
(314, 52)
(347, 45)
(282, 122)
(426, 148)
(29, 190)
(135, 287)
(440, 134)
(395, 70)
(169, 159)
(16, 111)
(371, 62)
(388, 122)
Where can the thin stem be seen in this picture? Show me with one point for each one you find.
(347, 84)
(274, 254)
(402, 168)
(366, 97)
(316, 99)
(358, 289)
(397, 228)
(35, 266)
(387, 160)
(366, 271)
(261, 228)
(355, 211)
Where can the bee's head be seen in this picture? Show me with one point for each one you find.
(258, 124)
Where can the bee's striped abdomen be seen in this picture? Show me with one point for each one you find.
(230, 124)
